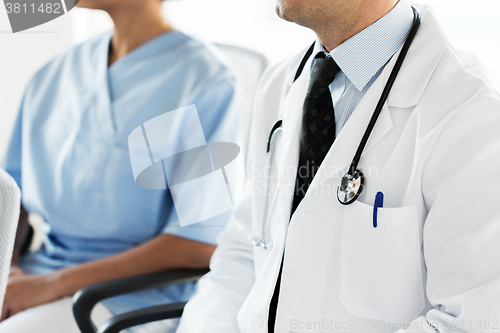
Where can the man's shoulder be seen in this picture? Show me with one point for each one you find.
(473, 68)
(459, 91)
(460, 74)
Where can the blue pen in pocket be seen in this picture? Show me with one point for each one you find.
(379, 203)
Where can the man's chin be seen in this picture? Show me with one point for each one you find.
(281, 11)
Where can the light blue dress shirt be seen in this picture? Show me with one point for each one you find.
(69, 152)
(364, 56)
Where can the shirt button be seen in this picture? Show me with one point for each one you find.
(259, 321)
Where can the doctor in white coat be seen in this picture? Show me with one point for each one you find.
(432, 263)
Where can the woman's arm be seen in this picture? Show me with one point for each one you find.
(160, 253)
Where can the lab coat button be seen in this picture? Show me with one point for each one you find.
(259, 321)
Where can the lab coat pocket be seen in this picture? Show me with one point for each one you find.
(381, 273)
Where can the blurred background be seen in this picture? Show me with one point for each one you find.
(474, 25)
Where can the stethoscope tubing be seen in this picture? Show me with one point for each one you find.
(386, 92)
(269, 161)
(278, 124)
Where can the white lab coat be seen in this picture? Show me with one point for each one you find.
(434, 257)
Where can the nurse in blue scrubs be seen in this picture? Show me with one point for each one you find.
(69, 155)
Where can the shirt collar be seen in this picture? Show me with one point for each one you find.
(364, 54)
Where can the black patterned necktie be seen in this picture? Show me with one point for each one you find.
(318, 124)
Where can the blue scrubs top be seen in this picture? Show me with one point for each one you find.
(69, 149)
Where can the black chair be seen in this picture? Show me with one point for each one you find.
(86, 298)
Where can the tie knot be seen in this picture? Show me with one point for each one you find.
(323, 73)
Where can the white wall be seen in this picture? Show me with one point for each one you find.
(251, 23)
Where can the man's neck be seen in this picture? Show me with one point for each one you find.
(134, 27)
(336, 33)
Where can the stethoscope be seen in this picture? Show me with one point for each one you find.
(271, 148)
(351, 184)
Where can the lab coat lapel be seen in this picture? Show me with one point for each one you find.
(292, 122)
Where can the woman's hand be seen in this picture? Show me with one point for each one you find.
(25, 291)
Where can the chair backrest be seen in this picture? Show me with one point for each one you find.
(249, 66)
(10, 204)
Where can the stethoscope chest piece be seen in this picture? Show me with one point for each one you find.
(350, 187)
